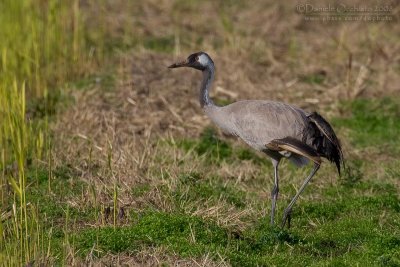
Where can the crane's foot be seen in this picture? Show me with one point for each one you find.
(286, 218)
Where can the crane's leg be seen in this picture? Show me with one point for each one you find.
(275, 190)
(288, 210)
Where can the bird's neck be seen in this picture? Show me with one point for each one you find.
(208, 78)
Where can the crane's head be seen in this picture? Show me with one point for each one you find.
(199, 60)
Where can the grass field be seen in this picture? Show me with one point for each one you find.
(106, 157)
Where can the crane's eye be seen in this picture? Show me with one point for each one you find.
(197, 58)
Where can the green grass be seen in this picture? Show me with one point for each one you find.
(351, 230)
(161, 44)
(140, 189)
(217, 150)
(64, 187)
(105, 80)
(193, 187)
(157, 229)
(210, 145)
(314, 78)
(373, 123)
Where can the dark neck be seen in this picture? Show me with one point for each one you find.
(208, 78)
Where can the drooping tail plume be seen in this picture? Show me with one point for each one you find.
(327, 144)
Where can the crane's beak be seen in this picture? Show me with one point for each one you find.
(179, 64)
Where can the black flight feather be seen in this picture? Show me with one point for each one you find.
(324, 140)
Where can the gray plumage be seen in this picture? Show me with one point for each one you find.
(259, 122)
(274, 128)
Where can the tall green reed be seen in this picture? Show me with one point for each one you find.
(42, 43)
(42, 47)
(19, 233)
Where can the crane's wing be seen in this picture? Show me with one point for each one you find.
(259, 122)
(295, 146)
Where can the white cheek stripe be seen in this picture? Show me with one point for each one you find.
(203, 60)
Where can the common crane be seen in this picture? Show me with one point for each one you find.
(277, 129)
